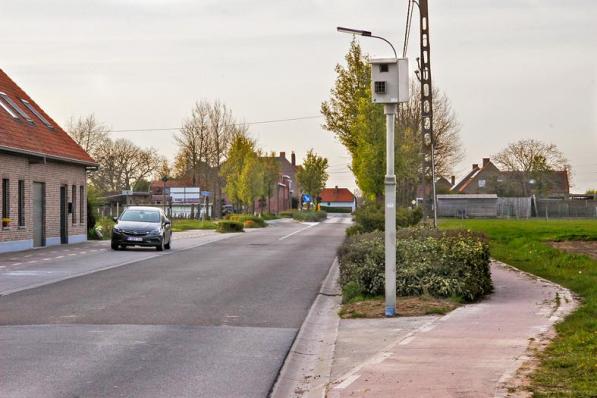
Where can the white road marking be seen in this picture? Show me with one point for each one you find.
(347, 382)
(407, 340)
(300, 230)
(59, 257)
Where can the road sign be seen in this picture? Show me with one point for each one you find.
(306, 198)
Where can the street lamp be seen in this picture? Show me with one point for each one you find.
(389, 86)
(365, 33)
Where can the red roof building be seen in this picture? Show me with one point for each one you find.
(338, 197)
(44, 175)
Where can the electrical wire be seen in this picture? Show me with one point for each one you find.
(409, 16)
(234, 124)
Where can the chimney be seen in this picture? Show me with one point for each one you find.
(336, 188)
(485, 162)
(475, 166)
(453, 180)
(283, 155)
(293, 159)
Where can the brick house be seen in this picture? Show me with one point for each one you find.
(287, 191)
(44, 175)
(488, 179)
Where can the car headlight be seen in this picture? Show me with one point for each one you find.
(117, 230)
(155, 232)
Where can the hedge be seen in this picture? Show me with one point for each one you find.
(441, 264)
(230, 226)
(309, 216)
(371, 218)
(336, 209)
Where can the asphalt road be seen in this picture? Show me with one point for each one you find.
(210, 321)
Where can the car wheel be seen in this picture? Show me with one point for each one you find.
(168, 245)
(114, 246)
(160, 247)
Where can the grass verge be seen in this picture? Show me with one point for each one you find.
(185, 225)
(568, 367)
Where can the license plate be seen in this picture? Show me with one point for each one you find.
(134, 239)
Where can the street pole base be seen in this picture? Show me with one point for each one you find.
(390, 312)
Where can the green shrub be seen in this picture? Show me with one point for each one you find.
(336, 209)
(350, 291)
(230, 226)
(310, 216)
(371, 217)
(257, 222)
(354, 230)
(440, 264)
(286, 213)
(103, 228)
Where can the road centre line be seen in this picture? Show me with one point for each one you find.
(300, 230)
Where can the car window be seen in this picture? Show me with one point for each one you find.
(141, 216)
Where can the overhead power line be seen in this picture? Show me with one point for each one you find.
(235, 124)
(409, 17)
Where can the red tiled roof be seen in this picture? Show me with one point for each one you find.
(17, 135)
(336, 195)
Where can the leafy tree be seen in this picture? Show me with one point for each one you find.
(313, 175)
(242, 148)
(251, 180)
(360, 126)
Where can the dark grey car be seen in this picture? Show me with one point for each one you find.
(142, 226)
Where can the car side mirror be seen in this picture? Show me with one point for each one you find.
(115, 219)
(167, 222)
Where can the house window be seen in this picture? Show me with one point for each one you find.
(383, 67)
(16, 108)
(21, 213)
(5, 198)
(481, 183)
(74, 204)
(36, 113)
(8, 110)
(81, 204)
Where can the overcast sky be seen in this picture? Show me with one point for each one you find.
(512, 68)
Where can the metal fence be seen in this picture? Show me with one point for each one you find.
(560, 208)
(479, 206)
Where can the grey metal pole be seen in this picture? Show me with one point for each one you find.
(433, 183)
(390, 213)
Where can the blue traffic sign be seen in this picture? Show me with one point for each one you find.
(306, 198)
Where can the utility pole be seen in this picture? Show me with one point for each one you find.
(427, 110)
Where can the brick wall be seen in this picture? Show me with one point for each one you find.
(53, 174)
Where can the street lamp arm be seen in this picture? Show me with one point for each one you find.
(365, 33)
(381, 38)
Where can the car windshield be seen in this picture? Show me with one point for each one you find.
(141, 216)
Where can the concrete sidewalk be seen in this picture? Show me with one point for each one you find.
(473, 351)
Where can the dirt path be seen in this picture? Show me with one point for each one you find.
(578, 246)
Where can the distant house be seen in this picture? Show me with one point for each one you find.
(338, 197)
(488, 179)
(286, 193)
(44, 176)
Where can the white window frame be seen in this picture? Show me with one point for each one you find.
(7, 108)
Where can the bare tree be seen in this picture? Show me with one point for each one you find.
(531, 160)
(123, 164)
(193, 145)
(203, 143)
(222, 129)
(87, 132)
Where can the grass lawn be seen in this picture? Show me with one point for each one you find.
(569, 365)
(185, 225)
